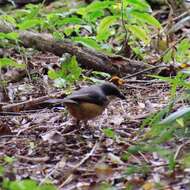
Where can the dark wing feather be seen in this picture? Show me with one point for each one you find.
(88, 94)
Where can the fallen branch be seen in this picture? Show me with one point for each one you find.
(28, 104)
(88, 58)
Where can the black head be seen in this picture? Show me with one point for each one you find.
(110, 89)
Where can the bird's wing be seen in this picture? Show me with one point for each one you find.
(90, 97)
(68, 100)
(75, 99)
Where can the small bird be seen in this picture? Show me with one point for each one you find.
(89, 102)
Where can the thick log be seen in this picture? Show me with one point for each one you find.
(88, 58)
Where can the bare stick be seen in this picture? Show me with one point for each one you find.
(75, 167)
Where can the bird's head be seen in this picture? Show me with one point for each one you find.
(110, 89)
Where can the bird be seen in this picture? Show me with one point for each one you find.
(89, 102)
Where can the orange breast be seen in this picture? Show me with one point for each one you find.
(84, 111)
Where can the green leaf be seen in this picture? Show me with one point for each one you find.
(2, 170)
(9, 36)
(96, 80)
(139, 4)
(155, 117)
(68, 30)
(12, 36)
(101, 74)
(32, 11)
(139, 33)
(183, 46)
(2, 36)
(5, 62)
(183, 53)
(125, 156)
(164, 135)
(26, 184)
(69, 20)
(27, 24)
(52, 17)
(8, 159)
(9, 19)
(168, 57)
(134, 149)
(179, 80)
(74, 69)
(69, 72)
(52, 74)
(172, 162)
(94, 6)
(146, 18)
(144, 169)
(186, 160)
(93, 16)
(60, 83)
(181, 113)
(58, 35)
(180, 121)
(109, 133)
(103, 29)
(23, 185)
(46, 187)
(87, 41)
(149, 148)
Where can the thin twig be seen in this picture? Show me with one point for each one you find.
(88, 155)
(52, 171)
(75, 167)
(168, 49)
(144, 71)
(123, 24)
(135, 86)
(122, 19)
(156, 67)
(180, 148)
(145, 81)
(144, 157)
(33, 160)
(68, 180)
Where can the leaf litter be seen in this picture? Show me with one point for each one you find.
(46, 147)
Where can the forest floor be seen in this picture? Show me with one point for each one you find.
(125, 148)
(47, 146)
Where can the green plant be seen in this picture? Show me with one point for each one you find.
(139, 19)
(101, 20)
(179, 54)
(165, 126)
(143, 169)
(26, 185)
(110, 133)
(7, 62)
(67, 74)
(178, 81)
